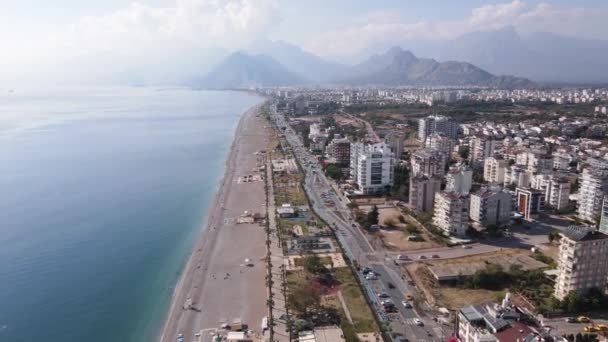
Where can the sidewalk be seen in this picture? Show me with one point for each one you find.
(279, 326)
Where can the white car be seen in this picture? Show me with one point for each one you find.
(406, 304)
(418, 322)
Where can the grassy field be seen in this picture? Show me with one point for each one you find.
(361, 314)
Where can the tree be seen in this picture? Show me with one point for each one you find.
(372, 216)
(312, 264)
(303, 298)
(334, 172)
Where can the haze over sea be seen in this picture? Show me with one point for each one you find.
(102, 194)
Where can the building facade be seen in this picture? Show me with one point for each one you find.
(437, 124)
(490, 206)
(593, 187)
(494, 169)
(339, 149)
(422, 192)
(583, 261)
(428, 163)
(529, 202)
(371, 167)
(459, 179)
(481, 148)
(451, 213)
(394, 139)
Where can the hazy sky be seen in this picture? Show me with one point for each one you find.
(119, 36)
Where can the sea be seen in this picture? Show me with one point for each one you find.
(103, 192)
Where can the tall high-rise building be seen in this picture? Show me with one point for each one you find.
(394, 139)
(582, 262)
(451, 213)
(437, 124)
(494, 169)
(422, 192)
(604, 217)
(339, 149)
(371, 167)
(593, 187)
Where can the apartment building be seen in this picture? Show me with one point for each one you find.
(582, 261)
(593, 187)
(451, 213)
(517, 175)
(459, 179)
(494, 169)
(556, 189)
(440, 142)
(422, 192)
(394, 139)
(437, 124)
(339, 150)
(428, 163)
(480, 148)
(604, 217)
(371, 167)
(490, 205)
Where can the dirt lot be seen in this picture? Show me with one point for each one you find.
(451, 297)
(395, 239)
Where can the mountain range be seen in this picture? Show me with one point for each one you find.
(396, 67)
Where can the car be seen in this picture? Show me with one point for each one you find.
(180, 337)
(583, 319)
(591, 328)
(366, 270)
(383, 295)
(409, 296)
(601, 327)
(406, 304)
(402, 257)
(435, 256)
(391, 286)
(418, 321)
(571, 320)
(466, 247)
(422, 257)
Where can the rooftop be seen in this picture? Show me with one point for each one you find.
(583, 233)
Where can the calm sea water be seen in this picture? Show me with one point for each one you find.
(102, 193)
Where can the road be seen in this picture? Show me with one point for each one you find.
(331, 207)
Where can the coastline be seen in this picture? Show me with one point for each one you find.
(207, 252)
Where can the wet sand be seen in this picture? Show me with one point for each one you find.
(215, 278)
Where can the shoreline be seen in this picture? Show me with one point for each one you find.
(193, 276)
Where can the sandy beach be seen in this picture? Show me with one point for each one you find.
(215, 280)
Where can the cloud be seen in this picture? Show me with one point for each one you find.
(126, 38)
(349, 41)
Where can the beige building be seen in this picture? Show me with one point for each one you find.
(583, 261)
(451, 213)
(494, 169)
(422, 192)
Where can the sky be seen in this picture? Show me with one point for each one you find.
(115, 40)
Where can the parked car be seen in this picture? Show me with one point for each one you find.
(583, 319)
(406, 304)
(418, 322)
(571, 320)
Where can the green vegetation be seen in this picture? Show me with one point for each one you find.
(333, 171)
(554, 236)
(369, 219)
(546, 259)
(360, 312)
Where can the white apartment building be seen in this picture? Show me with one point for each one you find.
(422, 192)
(517, 175)
(593, 187)
(451, 213)
(556, 189)
(480, 148)
(494, 169)
(371, 167)
(490, 205)
(459, 179)
(437, 124)
(583, 261)
(428, 163)
(604, 218)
